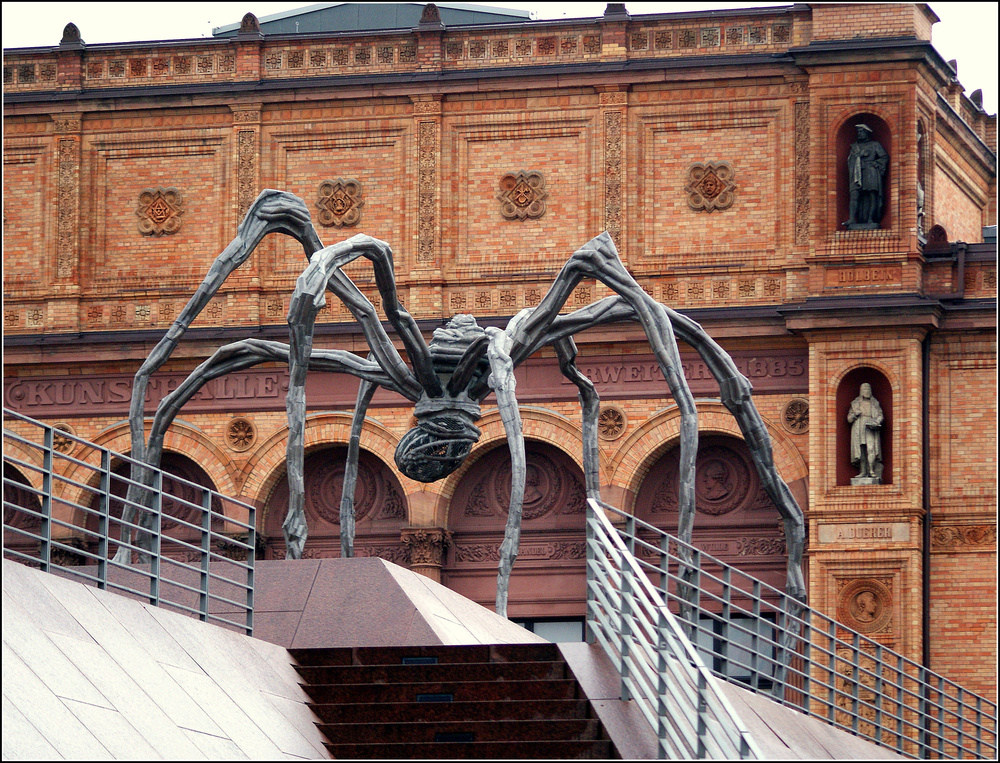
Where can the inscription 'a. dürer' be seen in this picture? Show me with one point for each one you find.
(883, 531)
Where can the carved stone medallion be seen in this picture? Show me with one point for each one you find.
(61, 442)
(710, 186)
(865, 605)
(241, 434)
(795, 417)
(159, 211)
(340, 202)
(611, 422)
(522, 195)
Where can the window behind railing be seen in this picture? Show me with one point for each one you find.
(175, 543)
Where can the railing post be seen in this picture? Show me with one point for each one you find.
(251, 563)
(104, 521)
(626, 627)
(591, 560)
(45, 552)
(661, 680)
(154, 561)
(206, 547)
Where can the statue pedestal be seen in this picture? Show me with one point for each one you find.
(865, 481)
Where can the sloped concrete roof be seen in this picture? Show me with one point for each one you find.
(92, 675)
(89, 674)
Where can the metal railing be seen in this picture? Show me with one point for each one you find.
(758, 637)
(63, 503)
(660, 668)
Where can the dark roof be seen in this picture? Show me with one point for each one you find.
(352, 17)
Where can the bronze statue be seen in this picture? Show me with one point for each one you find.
(449, 377)
(866, 165)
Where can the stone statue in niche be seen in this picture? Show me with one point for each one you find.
(865, 417)
(866, 165)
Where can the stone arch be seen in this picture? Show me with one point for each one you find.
(182, 438)
(549, 578)
(266, 466)
(660, 432)
(15, 494)
(32, 456)
(537, 423)
(847, 384)
(380, 507)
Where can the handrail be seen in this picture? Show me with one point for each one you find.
(756, 636)
(659, 666)
(59, 515)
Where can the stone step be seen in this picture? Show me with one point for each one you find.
(514, 709)
(534, 750)
(579, 729)
(442, 691)
(413, 673)
(440, 653)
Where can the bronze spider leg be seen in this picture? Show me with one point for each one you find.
(245, 354)
(324, 271)
(365, 392)
(501, 381)
(272, 212)
(590, 403)
(734, 391)
(599, 259)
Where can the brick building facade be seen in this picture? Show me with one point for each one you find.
(713, 147)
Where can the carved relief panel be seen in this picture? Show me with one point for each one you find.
(379, 508)
(735, 520)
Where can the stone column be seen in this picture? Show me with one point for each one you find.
(425, 548)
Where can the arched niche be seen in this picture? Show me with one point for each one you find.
(379, 507)
(181, 501)
(735, 520)
(847, 390)
(18, 496)
(846, 135)
(549, 576)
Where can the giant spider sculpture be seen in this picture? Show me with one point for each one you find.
(450, 377)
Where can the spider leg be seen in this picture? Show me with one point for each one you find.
(232, 357)
(323, 271)
(365, 392)
(501, 380)
(589, 403)
(599, 259)
(734, 390)
(272, 212)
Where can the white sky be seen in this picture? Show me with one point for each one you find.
(967, 31)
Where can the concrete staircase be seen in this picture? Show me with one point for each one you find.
(450, 702)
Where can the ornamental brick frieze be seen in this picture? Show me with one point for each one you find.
(67, 225)
(801, 128)
(428, 147)
(710, 186)
(522, 195)
(488, 553)
(340, 202)
(159, 211)
(963, 538)
(613, 169)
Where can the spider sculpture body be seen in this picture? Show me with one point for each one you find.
(448, 378)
